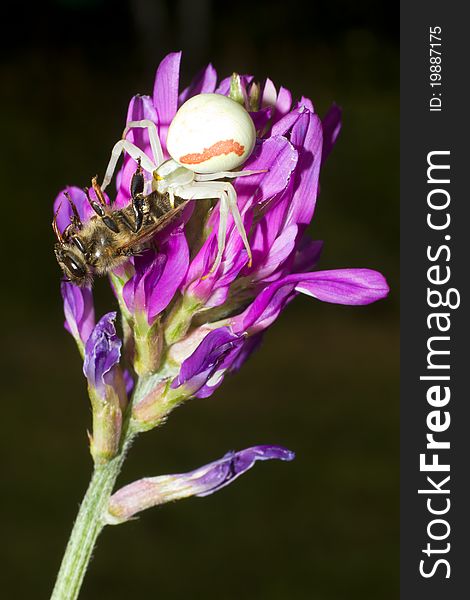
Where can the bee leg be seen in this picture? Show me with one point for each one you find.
(100, 211)
(137, 181)
(127, 223)
(137, 189)
(98, 208)
(110, 224)
(98, 191)
(75, 219)
(138, 208)
(55, 227)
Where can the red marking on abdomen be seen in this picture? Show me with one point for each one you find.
(217, 149)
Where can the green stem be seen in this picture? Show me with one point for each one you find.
(88, 526)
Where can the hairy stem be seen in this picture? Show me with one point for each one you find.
(90, 518)
(87, 527)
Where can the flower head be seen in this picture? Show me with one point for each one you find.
(187, 324)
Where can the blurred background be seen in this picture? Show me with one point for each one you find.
(325, 382)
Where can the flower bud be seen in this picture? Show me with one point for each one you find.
(237, 92)
(106, 388)
(152, 491)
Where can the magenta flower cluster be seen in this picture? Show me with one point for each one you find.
(185, 327)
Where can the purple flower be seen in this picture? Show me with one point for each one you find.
(205, 367)
(342, 286)
(106, 388)
(152, 491)
(224, 350)
(102, 355)
(157, 277)
(79, 312)
(188, 325)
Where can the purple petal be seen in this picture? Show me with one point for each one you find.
(165, 93)
(331, 128)
(344, 286)
(265, 309)
(268, 228)
(252, 343)
(215, 476)
(152, 491)
(261, 118)
(307, 138)
(306, 103)
(341, 286)
(231, 362)
(269, 94)
(177, 253)
(203, 83)
(128, 382)
(308, 254)
(79, 310)
(279, 158)
(283, 104)
(157, 277)
(285, 123)
(278, 252)
(79, 198)
(205, 360)
(102, 353)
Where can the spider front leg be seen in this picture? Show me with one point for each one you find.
(153, 137)
(134, 152)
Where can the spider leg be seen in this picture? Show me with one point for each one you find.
(237, 218)
(225, 192)
(153, 137)
(133, 151)
(224, 174)
(231, 195)
(171, 194)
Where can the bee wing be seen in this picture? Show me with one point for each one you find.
(149, 231)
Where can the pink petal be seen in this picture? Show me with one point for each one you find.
(165, 93)
(203, 83)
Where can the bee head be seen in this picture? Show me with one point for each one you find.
(73, 264)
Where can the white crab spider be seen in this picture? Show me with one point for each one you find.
(209, 136)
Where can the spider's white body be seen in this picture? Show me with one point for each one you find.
(211, 133)
(209, 136)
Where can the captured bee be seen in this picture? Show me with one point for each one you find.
(108, 239)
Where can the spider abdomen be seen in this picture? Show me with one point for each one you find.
(211, 133)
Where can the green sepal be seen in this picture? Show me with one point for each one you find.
(236, 89)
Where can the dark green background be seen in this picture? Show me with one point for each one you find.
(325, 381)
